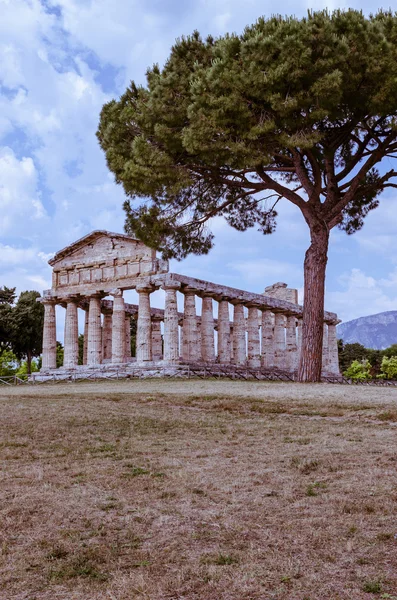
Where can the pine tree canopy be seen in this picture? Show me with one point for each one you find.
(300, 109)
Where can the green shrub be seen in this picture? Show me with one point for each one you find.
(359, 370)
(8, 363)
(389, 367)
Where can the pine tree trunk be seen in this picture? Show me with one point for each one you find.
(313, 306)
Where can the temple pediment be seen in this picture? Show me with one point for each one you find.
(103, 257)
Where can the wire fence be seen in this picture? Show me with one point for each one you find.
(181, 372)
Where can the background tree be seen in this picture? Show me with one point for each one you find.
(60, 351)
(81, 348)
(295, 110)
(7, 299)
(27, 327)
(133, 327)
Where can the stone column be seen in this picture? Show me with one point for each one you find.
(292, 348)
(191, 351)
(127, 328)
(157, 341)
(118, 328)
(325, 360)
(107, 337)
(224, 353)
(207, 330)
(333, 358)
(299, 328)
(144, 326)
(85, 346)
(71, 352)
(267, 339)
(279, 341)
(239, 343)
(49, 356)
(171, 332)
(254, 348)
(94, 349)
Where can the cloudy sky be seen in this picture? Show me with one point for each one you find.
(59, 62)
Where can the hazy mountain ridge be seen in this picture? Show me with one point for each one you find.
(374, 331)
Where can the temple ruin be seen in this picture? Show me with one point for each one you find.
(260, 332)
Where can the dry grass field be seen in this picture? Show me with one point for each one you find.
(187, 490)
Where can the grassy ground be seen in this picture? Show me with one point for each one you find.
(198, 490)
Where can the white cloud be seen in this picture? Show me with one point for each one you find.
(10, 256)
(363, 294)
(19, 196)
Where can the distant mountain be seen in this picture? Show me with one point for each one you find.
(375, 331)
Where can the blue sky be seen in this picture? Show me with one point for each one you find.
(60, 61)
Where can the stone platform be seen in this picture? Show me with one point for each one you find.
(161, 370)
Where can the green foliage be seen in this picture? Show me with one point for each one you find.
(23, 369)
(133, 327)
(389, 367)
(7, 295)
(230, 126)
(7, 299)
(81, 348)
(8, 363)
(381, 362)
(27, 326)
(59, 355)
(350, 352)
(359, 370)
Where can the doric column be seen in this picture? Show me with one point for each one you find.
(94, 349)
(127, 328)
(157, 342)
(231, 344)
(85, 345)
(207, 330)
(333, 358)
(118, 328)
(107, 336)
(292, 348)
(49, 357)
(224, 353)
(267, 339)
(325, 360)
(71, 352)
(254, 348)
(239, 344)
(144, 326)
(171, 332)
(279, 341)
(191, 351)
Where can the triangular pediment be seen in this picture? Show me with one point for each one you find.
(103, 261)
(100, 246)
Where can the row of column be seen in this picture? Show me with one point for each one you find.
(110, 341)
(263, 339)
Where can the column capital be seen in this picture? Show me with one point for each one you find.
(189, 291)
(70, 298)
(49, 301)
(116, 293)
(236, 302)
(145, 288)
(172, 285)
(96, 294)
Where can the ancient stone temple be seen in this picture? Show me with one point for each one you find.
(260, 332)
